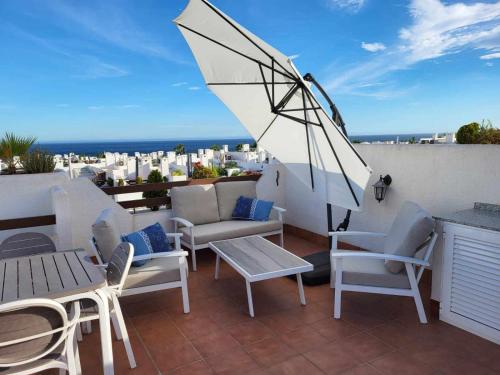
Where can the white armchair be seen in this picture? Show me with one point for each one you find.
(394, 268)
(165, 270)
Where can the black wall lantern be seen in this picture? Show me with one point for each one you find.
(380, 187)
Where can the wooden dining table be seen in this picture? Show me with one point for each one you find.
(64, 276)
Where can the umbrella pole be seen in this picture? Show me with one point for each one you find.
(337, 118)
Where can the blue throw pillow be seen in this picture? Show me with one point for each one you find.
(158, 238)
(242, 209)
(252, 209)
(142, 245)
(261, 210)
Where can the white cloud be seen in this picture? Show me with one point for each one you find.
(350, 5)
(491, 56)
(437, 29)
(111, 24)
(489, 64)
(194, 88)
(178, 84)
(293, 57)
(95, 107)
(373, 47)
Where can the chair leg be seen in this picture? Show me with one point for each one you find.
(116, 326)
(338, 288)
(123, 329)
(282, 242)
(416, 293)
(79, 335)
(76, 352)
(184, 287)
(193, 256)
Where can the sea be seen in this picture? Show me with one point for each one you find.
(92, 148)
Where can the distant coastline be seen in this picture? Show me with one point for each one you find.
(92, 148)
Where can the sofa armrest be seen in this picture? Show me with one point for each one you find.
(280, 212)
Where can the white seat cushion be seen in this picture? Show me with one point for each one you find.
(369, 272)
(196, 203)
(229, 229)
(410, 229)
(229, 192)
(155, 271)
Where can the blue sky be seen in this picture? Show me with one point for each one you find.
(92, 70)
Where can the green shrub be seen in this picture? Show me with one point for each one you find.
(199, 171)
(239, 147)
(110, 181)
(138, 180)
(231, 164)
(177, 172)
(216, 147)
(468, 133)
(121, 182)
(38, 161)
(154, 177)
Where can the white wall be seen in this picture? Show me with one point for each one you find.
(440, 178)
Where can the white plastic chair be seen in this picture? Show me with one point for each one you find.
(116, 272)
(36, 335)
(368, 272)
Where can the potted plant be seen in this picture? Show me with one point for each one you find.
(38, 161)
(154, 177)
(121, 182)
(200, 171)
(177, 175)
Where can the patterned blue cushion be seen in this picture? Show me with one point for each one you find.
(141, 243)
(252, 209)
(158, 238)
(149, 240)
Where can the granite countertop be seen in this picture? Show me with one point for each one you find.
(483, 215)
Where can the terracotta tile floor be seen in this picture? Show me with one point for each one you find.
(377, 334)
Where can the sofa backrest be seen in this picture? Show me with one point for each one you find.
(229, 192)
(195, 203)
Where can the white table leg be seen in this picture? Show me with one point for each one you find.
(217, 267)
(105, 328)
(301, 289)
(250, 301)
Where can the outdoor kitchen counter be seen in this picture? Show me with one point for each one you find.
(483, 215)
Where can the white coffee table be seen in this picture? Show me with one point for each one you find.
(257, 259)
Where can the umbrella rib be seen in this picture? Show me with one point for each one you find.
(307, 138)
(271, 101)
(334, 153)
(299, 120)
(235, 51)
(299, 109)
(338, 130)
(244, 35)
(248, 83)
(268, 126)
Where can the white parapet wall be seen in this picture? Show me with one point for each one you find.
(440, 178)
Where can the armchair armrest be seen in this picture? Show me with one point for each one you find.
(167, 254)
(356, 233)
(280, 212)
(365, 254)
(180, 220)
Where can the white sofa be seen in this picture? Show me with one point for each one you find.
(203, 213)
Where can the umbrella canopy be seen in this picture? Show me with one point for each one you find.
(261, 86)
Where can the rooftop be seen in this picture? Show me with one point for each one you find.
(376, 334)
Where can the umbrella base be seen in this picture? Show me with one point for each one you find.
(321, 273)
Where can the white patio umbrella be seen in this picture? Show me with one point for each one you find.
(261, 86)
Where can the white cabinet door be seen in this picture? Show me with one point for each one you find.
(471, 280)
